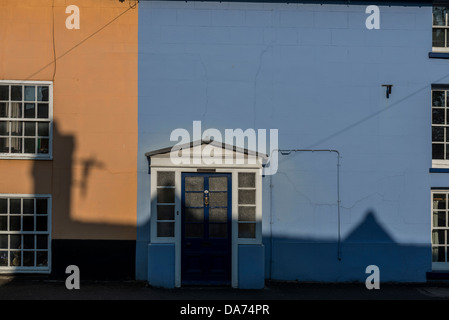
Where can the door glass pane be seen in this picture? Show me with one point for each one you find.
(165, 212)
(194, 214)
(247, 196)
(247, 180)
(165, 179)
(194, 230)
(165, 229)
(247, 230)
(247, 213)
(194, 183)
(218, 199)
(217, 230)
(218, 183)
(165, 195)
(218, 214)
(194, 199)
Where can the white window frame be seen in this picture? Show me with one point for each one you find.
(34, 269)
(163, 163)
(38, 156)
(440, 163)
(446, 27)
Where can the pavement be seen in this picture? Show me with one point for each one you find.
(12, 288)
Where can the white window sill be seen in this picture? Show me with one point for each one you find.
(24, 157)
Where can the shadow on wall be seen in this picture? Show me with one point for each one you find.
(85, 245)
(329, 260)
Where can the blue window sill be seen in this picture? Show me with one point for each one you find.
(438, 170)
(439, 55)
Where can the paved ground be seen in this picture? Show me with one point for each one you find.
(32, 289)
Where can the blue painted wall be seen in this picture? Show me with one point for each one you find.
(315, 73)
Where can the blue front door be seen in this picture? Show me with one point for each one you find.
(206, 228)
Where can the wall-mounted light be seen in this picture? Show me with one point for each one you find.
(388, 89)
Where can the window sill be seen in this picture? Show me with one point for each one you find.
(439, 55)
(439, 170)
(11, 157)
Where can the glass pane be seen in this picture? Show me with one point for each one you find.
(28, 241)
(447, 132)
(247, 196)
(15, 206)
(218, 230)
(3, 110)
(3, 223)
(28, 258)
(438, 254)
(4, 92)
(3, 205)
(4, 128)
(42, 145)
(42, 110)
(165, 212)
(194, 230)
(165, 195)
(165, 179)
(14, 223)
(28, 206)
(30, 93)
(30, 145)
(4, 145)
(16, 110)
(194, 214)
(16, 93)
(438, 116)
(16, 128)
(3, 241)
(41, 223)
(438, 134)
(218, 199)
(439, 201)
(42, 93)
(42, 129)
(247, 180)
(41, 259)
(437, 151)
(3, 258)
(247, 230)
(247, 213)
(28, 223)
(438, 236)
(30, 110)
(437, 98)
(41, 241)
(439, 16)
(30, 129)
(165, 229)
(194, 199)
(41, 206)
(218, 214)
(15, 241)
(218, 183)
(194, 183)
(15, 258)
(437, 37)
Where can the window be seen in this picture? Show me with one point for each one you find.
(165, 195)
(440, 228)
(24, 233)
(247, 205)
(440, 28)
(440, 124)
(25, 120)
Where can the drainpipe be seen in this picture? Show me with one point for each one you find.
(286, 152)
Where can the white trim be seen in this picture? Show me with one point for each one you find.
(37, 156)
(439, 266)
(46, 270)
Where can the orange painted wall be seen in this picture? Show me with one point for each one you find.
(93, 174)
